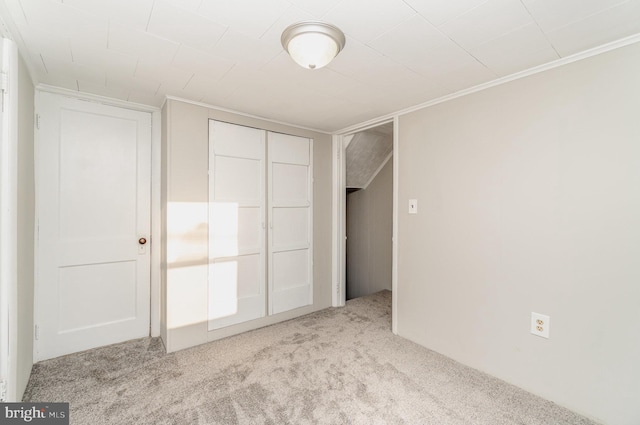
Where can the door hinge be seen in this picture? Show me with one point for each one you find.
(36, 332)
(38, 121)
(3, 391)
(4, 86)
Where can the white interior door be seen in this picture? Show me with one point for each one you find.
(94, 191)
(236, 224)
(290, 222)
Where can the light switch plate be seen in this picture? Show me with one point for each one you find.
(413, 206)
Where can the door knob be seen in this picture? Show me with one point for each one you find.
(142, 241)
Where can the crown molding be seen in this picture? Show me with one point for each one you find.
(231, 111)
(493, 83)
(97, 98)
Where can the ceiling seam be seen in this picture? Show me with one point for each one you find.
(153, 5)
(592, 14)
(23, 12)
(43, 63)
(544, 33)
(187, 83)
(440, 32)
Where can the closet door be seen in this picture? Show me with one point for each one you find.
(236, 224)
(290, 222)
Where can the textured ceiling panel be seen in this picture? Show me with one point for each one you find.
(366, 153)
(399, 53)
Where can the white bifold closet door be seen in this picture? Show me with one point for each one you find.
(290, 222)
(237, 215)
(260, 223)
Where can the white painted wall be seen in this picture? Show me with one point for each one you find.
(26, 225)
(529, 200)
(369, 231)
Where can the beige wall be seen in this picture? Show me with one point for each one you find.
(26, 223)
(186, 194)
(529, 200)
(369, 232)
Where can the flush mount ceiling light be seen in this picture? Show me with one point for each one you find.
(312, 44)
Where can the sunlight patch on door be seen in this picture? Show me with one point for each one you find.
(223, 290)
(223, 229)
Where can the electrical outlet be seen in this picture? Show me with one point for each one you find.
(540, 324)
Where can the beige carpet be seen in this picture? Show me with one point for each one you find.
(337, 366)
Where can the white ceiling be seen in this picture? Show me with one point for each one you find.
(227, 53)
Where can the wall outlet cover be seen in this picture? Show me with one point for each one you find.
(540, 324)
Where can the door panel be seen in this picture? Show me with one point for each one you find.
(290, 184)
(288, 149)
(82, 189)
(234, 230)
(237, 286)
(92, 284)
(250, 223)
(236, 290)
(237, 179)
(290, 229)
(94, 198)
(292, 225)
(291, 280)
(290, 269)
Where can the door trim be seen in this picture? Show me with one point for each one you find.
(339, 232)
(156, 172)
(9, 223)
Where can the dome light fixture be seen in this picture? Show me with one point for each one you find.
(312, 44)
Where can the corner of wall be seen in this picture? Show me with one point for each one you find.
(26, 228)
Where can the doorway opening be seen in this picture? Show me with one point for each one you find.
(368, 211)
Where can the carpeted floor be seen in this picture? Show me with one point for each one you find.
(336, 366)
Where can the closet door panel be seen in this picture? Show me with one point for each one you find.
(290, 222)
(250, 283)
(289, 149)
(250, 223)
(293, 227)
(237, 252)
(237, 179)
(235, 289)
(290, 184)
(291, 280)
(290, 269)
(237, 141)
(234, 230)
